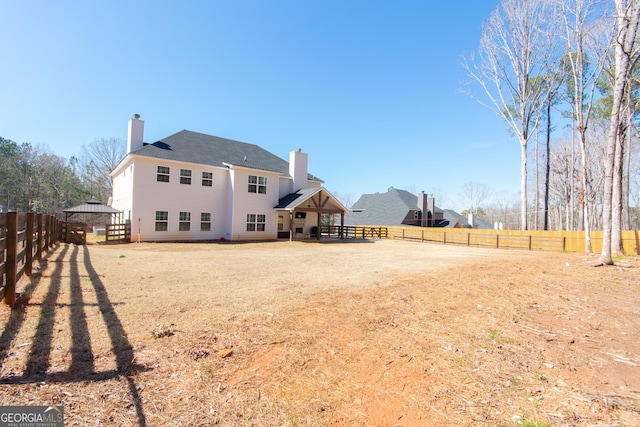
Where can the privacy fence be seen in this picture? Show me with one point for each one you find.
(24, 237)
(562, 241)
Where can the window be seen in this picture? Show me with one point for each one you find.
(256, 222)
(207, 179)
(205, 221)
(162, 174)
(184, 221)
(257, 184)
(185, 176)
(280, 223)
(162, 220)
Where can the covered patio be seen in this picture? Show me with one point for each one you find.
(309, 200)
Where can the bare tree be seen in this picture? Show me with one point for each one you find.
(587, 45)
(627, 17)
(473, 195)
(98, 159)
(517, 47)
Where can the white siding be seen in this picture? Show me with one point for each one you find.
(244, 203)
(123, 189)
(174, 197)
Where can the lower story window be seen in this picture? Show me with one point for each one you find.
(280, 222)
(185, 221)
(162, 220)
(205, 221)
(256, 222)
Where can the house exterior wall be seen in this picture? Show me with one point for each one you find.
(123, 188)
(244, 202)
(149, 196)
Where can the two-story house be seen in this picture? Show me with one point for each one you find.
(192, 186)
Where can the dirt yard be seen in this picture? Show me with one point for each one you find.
(375, 333)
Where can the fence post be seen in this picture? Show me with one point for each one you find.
(403, 234)
(10, 260)
(47, 237)
(39, 241)
(468, 238)
(497, 241)
(421, 236)
(529, 241)
(28, 268)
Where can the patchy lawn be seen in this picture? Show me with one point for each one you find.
(375, 333)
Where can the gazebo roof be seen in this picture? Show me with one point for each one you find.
(93, 207)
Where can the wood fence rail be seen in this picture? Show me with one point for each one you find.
(118, 233)
(23, 239)
(354, 232)
(561, 241)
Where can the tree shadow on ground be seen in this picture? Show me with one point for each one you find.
(82, 367)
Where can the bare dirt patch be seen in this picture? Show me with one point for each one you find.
(377, 333)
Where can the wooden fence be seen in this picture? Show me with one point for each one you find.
(354, 232)
(562, 241)
(118, 233)
(23, 239)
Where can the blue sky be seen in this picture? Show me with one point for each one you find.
(369, 89)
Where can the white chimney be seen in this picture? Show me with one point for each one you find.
(298, 169)
(471, 220)
(136, 134)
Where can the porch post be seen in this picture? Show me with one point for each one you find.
(291, 226)
(318, 233)
(341, 225)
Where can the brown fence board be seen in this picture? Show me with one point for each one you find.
(19, 240)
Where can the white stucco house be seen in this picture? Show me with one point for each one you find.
(192, 186)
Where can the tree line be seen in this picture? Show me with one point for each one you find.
(575, 60)
(34, 180)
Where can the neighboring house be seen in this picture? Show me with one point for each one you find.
(192, 186)
(400, 207)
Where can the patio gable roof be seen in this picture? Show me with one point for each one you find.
(311, 200)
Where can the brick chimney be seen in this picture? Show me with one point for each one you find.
(136, 134)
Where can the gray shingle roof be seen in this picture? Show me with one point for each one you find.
(291, 200)
(388, 208)
(199, 148)
(92, 206)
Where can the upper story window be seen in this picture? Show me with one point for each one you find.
(257, 184)
(162, 174)
(185, 176)
(207, 179)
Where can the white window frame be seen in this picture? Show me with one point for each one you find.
(185, 176)
(256, 222)
(163, 173)
(205, 221)
(257, 184)
(162, 217)
(207, 179)
(184, 221)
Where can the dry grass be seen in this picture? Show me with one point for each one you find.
(378, 333)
